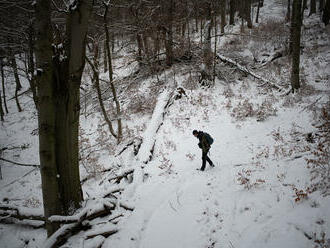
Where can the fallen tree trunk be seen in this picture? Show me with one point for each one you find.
(244, 69)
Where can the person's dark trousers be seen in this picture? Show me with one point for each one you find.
(204, 159)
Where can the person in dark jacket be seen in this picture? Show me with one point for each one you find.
(205, 146)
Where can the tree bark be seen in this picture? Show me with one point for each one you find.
(288, 12)
(17, 82)
(321, 5)
(247, 13)
(46, 114)
(31, 77)
(223, 15)
(58, 84)
(326, 13)
(295, 40)
(3, 86)
(232, 10)
(1, 116)
(258, 10)
(112, 86)
(169, 34)
(312, 7)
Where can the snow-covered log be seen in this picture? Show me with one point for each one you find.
(77, 222)
(149, 137)
(20, 213)
(244, 69)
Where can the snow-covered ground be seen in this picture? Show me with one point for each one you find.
(259, 194)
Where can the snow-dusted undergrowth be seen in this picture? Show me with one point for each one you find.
(270, 185)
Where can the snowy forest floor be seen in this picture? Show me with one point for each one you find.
(270, 186)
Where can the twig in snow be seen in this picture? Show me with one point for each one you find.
(170, 203)
(9, 161)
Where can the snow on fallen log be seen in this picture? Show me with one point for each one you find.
(20, 213)
(149, 137)
(104, 230)
(244, 69)
(60, 236)
(146, 150)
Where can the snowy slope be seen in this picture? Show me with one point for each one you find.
(250, 199)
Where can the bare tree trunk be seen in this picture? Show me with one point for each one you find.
(59, 102)
(206, 73)
(112, 86)
(169, 34)
(1, 109)
(326, 13)
(258, 10)
(46, 114)
(295, 40)
(312, 7)
(105, 58)
(17, 81)
(96, 80)
(215, 45)
(288, 12)
(223, 15)
(248, 13)
(3, 86)
(321, 5)
(31, 77)
(15, 71)
(232, 10)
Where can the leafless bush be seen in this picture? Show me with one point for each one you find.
(245, 180)
(320, 162)
(243, 110)
(265, 110)
(141, 104)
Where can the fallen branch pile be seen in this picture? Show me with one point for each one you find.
(245, 70)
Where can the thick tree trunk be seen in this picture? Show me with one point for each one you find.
(58, 100)
(326, 13)
(321, 5)
(46, 114)
(3, 86)
(312, 7)
(295, 40)
(232, 10)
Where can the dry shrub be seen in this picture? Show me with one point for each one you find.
(243, 110)
(320, 162)
(141, 104)
(300, 194)
(244, 179)
(246, 109)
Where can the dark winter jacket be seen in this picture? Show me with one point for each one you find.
(203, 144)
